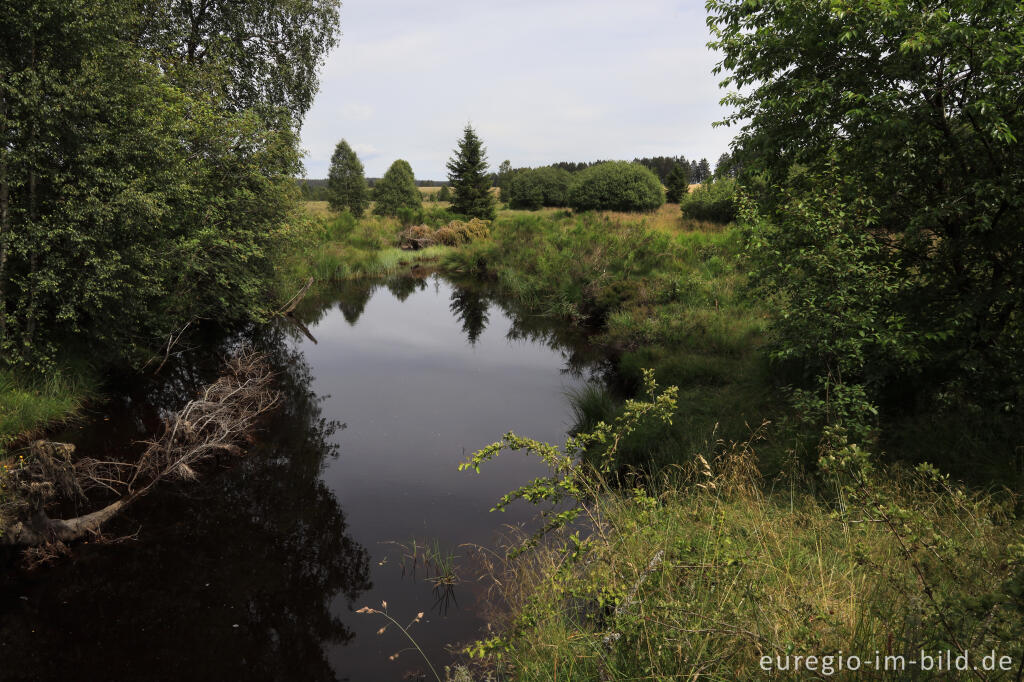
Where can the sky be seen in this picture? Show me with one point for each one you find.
(539, 80)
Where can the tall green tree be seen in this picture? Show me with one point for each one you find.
(503, 177)
(467, 174)
(136, 194)
(913, 111)
(346, 182)
(396, 190)
(677, 183)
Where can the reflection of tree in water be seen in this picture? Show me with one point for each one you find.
(353, 297)
(470, 307)
(403, 287)
(582, 359)
(233, 576)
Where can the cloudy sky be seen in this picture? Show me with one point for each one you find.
(540, 81)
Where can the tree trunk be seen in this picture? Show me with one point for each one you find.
(5, 227)
(43, 530)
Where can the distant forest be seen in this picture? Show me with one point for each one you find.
(316, 189)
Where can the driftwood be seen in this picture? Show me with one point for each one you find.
(213, 423)
(294, 301)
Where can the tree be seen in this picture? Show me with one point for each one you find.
(616, 186)
(726, 166)
(502, 179)
(467, 175)
(914, 118)
(678, 183)
(136, 196)
(259, 55)
(396, 190)
(346, 182)
(444, 194)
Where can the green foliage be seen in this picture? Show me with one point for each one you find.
(678, 184)
(702, 574)
(259, 55)
(835, 287)
(470, 183)
(346, 183)
(714, 200)
(502, 178)
(133, 201)
(444, 194)
(917, 113)
(616, 186)
(569, 478)
(533, 188)
(396, 190)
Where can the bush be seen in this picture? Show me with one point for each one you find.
(715, 201)
(616, 186)
(416, 237)
(532, 188)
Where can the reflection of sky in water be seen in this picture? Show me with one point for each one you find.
(247, 573)
(417, 399)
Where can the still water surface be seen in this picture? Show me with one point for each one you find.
(256, 571)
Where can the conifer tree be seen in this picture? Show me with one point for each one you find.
(396, 190)
(470, 183)
(346, 183)
(678, 183)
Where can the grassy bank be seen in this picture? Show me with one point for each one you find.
(709, 574)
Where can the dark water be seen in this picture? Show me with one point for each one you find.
(255, 571)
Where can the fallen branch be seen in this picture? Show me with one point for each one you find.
(294, 301)
(213, 423)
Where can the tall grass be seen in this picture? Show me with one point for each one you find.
(708, 574)
(29, 404)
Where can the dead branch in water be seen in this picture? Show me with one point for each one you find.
(294, 301)
(213, 423)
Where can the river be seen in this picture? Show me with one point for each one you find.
(256, 571)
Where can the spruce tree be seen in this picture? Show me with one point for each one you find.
(470, 183)
(678, 183)
(346, 184)
(396, 190)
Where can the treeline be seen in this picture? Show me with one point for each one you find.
(147, 157)
(317, 189)
(662, 166)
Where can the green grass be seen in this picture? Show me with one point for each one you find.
(709, 573)
(28, 406)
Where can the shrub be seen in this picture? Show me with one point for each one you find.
(448, 236)
(416, 237)
(715, 200)
(616, 186)
(532, 188)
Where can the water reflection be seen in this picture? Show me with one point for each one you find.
(255, 571)
(234, 577)
(470, 308)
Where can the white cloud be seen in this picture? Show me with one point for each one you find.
(541, 81)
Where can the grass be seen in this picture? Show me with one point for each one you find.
(27, 406)
(709, 573)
